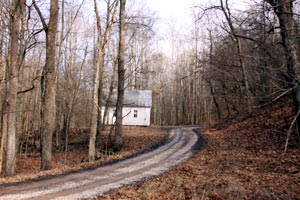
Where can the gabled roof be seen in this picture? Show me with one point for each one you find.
(132, 98)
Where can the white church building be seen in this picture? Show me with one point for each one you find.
(136, 108)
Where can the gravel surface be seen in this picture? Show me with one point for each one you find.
(91, 183)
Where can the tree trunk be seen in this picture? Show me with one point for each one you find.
(3, 120)
(3, 135)
(111, 88)
(93, 128)
(102, 43)
(57, 75)
(225, 9)
(100, 122)
(118, 142)
(212, 90)
(21, 58)
(48, 89)
(3, 87)
(10, 167)
(290, 39)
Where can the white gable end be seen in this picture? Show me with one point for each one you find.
(136, 108)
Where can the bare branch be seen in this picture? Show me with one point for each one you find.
(108, 31)
(76, 15)
(98, 20)
(289, 132)
(29, 89)
(6, 7)
(45, 26)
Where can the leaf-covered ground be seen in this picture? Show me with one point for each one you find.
(136, 139)
(243, 160)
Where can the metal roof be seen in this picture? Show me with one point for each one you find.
(132, 98)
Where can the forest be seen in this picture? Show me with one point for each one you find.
(57, 58)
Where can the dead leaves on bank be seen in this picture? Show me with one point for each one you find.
(241, 161)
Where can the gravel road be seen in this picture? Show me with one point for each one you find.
(90, 183)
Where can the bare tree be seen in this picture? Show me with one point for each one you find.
(227, 13)
(3, 90)
(13, 70)
(103, 40)
(58, 63)
(290, 38)
(48, 85)
(118, 141)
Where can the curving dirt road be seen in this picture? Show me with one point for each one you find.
(90, 183)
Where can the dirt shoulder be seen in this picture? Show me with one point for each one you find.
(243, 160)
(136, 140)
(93, 182)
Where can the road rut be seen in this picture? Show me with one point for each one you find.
(91, 183)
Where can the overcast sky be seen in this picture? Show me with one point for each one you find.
(171, 9)
(176, 15)
(172, 12)
(173, 15)
(181, 8)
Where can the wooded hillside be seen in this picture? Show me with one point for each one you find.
(243, 159)
(56, 57)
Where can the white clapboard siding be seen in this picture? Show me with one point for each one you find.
(133, 116)
(136, 108)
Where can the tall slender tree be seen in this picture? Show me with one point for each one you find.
(118, 142)
(227, 13)
(3, 89)
(48, 85)
(10, 167)
(102, 41)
